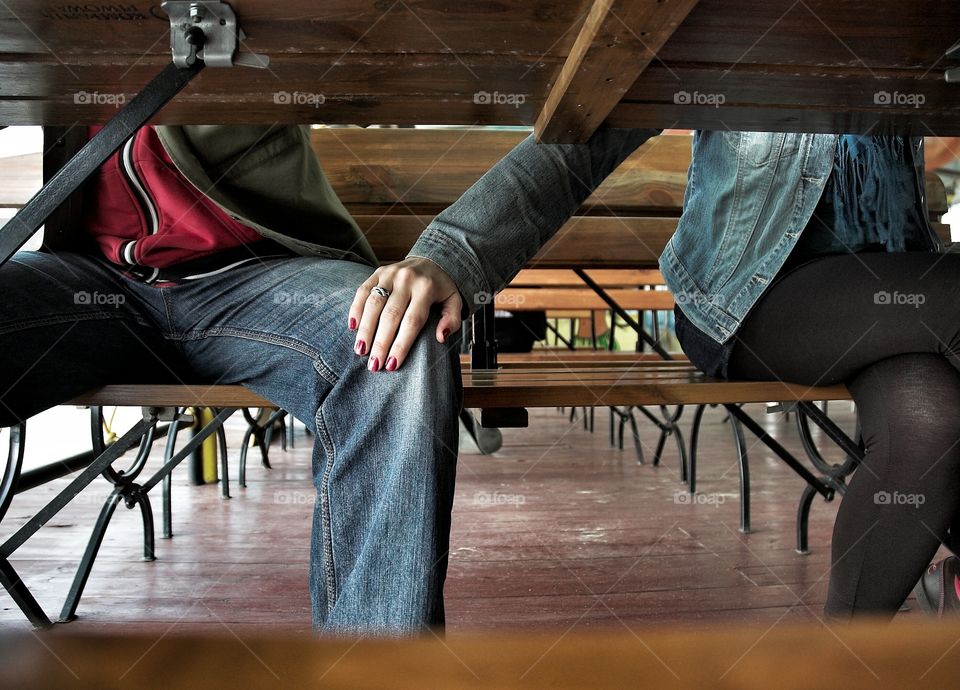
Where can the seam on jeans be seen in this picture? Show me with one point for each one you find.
(326, 372)
(329, 569)
(248, 334)
(54, 319)
(259, 336)
(166, 312)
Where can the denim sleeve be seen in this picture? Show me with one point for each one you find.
(485, 238)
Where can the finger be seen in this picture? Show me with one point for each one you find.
(360, 299)
(386, 328)
(450, 320)
(416, 316)
(367, 326)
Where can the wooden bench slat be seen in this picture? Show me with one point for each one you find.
(539, 299)
(643, 383)
(379, 167)
(584, 242)
(605, 278)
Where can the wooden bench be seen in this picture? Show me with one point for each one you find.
(623, 226)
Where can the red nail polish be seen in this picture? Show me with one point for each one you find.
(374, 364)
(353, 324)
(361, 347)
(445, 334)
(391, 363)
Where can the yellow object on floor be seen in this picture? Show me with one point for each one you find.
(208, 449)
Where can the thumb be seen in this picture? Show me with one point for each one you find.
(449, 317)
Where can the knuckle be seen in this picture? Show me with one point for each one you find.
(415, 320)
(393, 313)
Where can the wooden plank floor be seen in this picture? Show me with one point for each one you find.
(557, 530)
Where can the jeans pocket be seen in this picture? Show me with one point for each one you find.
(761, 148)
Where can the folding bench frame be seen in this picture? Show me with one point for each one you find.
(832, 479)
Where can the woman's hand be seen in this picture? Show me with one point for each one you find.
(388, 326)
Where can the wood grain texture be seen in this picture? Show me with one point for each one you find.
(398, 170)
(541, 299)
(610, 278)
(565, 383)
(874, 656)
(812, 67)
(619, 39)
(780, 65)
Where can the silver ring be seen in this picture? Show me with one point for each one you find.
(380, 292)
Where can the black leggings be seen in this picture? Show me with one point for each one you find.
(887, 325)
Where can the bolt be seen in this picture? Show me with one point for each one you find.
(196, 12)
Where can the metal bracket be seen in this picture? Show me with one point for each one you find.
(207, 31)
(786, 407)
(953, 75)
(164, 414)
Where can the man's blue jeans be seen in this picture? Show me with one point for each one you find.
(385, 446)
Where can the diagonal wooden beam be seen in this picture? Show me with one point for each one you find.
(619, 39)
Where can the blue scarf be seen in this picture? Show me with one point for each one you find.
(872, 194)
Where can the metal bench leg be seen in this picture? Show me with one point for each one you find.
(69, 611)
(742, 460)
(290, 430)
(22, 596)
(637, 443)
(803, 519)
(167, 486)
(166, 502)
(694, 443)
(224, 465)
(9, 578)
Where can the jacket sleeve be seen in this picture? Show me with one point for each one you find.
(485, 238)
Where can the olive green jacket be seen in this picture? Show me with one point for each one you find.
(265, 176)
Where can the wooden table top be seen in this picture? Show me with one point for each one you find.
(917, 655)
(816, 65)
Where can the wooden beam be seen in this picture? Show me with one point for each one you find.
(618, 41)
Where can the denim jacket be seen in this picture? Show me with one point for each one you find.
(749, 195)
